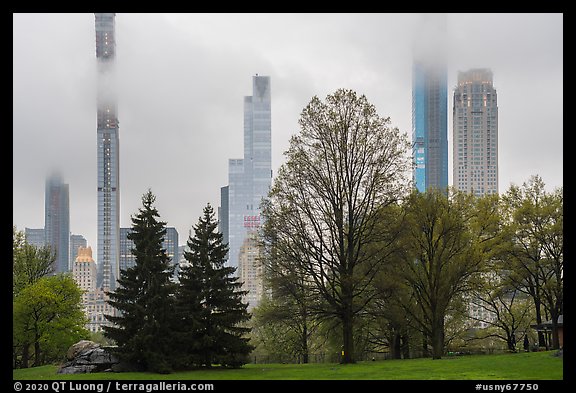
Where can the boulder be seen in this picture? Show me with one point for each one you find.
(80, 346)
(87, 357)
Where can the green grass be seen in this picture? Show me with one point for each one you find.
(519, 366)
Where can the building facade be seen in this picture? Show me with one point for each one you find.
(250, 271)
(430, 106)
(84, 271)
(57, 221)
(223, 214)
(94, 298)
(475, 133)
(76, 241)
(107, 153)
(126, 258)
(170, 244)
(430, 127)
(35, 237)
(249, 178)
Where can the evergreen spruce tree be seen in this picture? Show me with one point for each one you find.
(209, 304)
(145, 297)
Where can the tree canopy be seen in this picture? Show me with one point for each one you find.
(344, 164)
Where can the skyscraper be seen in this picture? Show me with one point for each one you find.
(108, 154)
(57, 221)
(84, 270)
(250, 271)
(475, 138)
(35, 236)
(430, 106)
(250, 178)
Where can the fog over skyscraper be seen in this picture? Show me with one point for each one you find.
(57, 221)
(108, 154)
(250, 178)
(430, 105)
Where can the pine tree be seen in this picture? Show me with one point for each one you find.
(145, 297)
(210, 301)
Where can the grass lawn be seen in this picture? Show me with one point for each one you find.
(518, 366)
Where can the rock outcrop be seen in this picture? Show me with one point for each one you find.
(87, 357)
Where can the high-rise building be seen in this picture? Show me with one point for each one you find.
(76, 241)
(223, 214)
(250, 178)
(475, 133)
(108, 153)
(170, 244)
(57, 221)
(84, 270)
(35, 236)
(94, 299)
(126, 258)
(430, 106)
(250, 271)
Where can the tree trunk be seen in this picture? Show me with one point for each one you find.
(305, 342)
(511, 342)
(348, 338)
(541, 338)
(438, 339)
(555, 337)
(425, 352)
(37, 353)
(25, 355)
(347, 318)
(405, 347)
(395, 347)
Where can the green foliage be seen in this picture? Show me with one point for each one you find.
(29, 263)
(145, 297)
(344, 164)
(99, 338)
(284, 327)
(210, 313)
(535, 258)
(47, 318)
(447, 242)
(46, 314)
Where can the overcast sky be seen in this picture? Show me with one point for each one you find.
(182, 79)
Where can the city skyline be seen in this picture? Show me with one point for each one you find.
(181, 105)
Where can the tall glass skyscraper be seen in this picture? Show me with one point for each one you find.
(108, 154)
(475, 148)
(57, 221)
(170, 244)
(430, 106)
(250, 178)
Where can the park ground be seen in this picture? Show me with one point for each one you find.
(510, 366)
